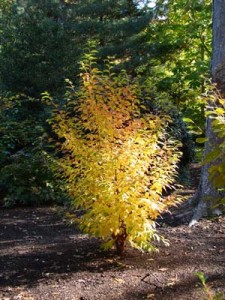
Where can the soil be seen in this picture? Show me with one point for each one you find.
(42, 258)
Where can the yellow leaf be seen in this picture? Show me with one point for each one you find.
(151, 296)
(163, 269)
(119, 280)
(115, 163)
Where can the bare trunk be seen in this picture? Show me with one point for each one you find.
(218, 55)
(207, 194)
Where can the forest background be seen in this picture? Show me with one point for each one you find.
(164, 48)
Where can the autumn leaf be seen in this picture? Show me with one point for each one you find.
(116, 160)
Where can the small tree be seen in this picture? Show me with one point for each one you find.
(118, 158)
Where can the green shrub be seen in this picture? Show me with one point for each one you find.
(26, 177)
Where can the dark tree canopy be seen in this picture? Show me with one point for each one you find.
(42, 40)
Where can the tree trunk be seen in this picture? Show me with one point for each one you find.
(207, 194)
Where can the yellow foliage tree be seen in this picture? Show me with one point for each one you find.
(118, 158)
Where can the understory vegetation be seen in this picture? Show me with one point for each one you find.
(118, 157)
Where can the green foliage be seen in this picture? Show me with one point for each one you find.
(25, 175)
(42, 40)
(179, 37)
(178, 128)
(210, 295)
(118, 158)
(118, 25)
(36, 50)
(186, 29)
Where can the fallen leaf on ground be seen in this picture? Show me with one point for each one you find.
(172, 281)
(150, 296)
(119, 280)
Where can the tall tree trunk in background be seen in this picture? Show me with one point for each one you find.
(207, 194)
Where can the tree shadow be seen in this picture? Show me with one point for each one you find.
(36, 245)
(179, 291)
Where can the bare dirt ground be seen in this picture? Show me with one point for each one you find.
(42, 258)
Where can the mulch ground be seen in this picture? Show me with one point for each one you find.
(42, 258)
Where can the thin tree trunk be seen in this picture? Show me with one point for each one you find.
(207, 194)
